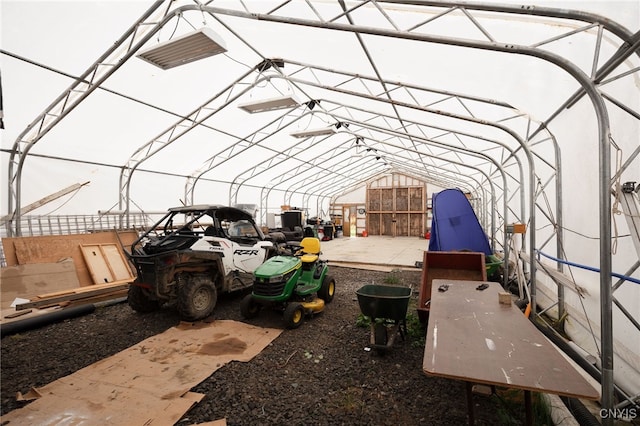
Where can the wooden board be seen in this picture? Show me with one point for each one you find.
(373, 223)
(416, 199)
(51, 249)
(84, 294)
(27, 281)
(105, 262)
(402, 225)
(473, 337)
(417, 224)
(402, 199)
(458, 265)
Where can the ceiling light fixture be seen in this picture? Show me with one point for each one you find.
(187, 48)
(270, 104)
(314, 132)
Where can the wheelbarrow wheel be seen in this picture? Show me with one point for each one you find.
(380, 337)
(294, 315)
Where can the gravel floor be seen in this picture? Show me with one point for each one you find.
(318, 374)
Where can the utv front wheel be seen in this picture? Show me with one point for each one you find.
(294, 315)
(139, 300)
(197, 298)
(249, 308)
(328, 289)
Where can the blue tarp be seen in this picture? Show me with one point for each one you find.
(454, 224)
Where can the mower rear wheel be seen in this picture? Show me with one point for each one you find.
(197, 298)
(249, 308)
(294, 315)
(327, 289)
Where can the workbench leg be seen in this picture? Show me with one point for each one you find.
(470, 407)
(528, 408)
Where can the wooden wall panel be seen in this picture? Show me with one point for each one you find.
(417, 201)
(402, 225)
(373, 223)
(396, 206)
(402, 199)
(374, 200)
(416, 224)
(386, 199)
(387, 224)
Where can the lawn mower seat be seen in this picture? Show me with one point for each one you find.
(310, 249)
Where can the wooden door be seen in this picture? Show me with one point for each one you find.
(349, 221)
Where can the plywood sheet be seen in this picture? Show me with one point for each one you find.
(473, 337)
(417, 202)
(416, 224)
(402, 199)
(105, 262)
(402, 225)
(469, 266)
(51, 249)
(27, 281)
(373, 223)
(386, 202)
(117, 262)
(387, 224)
(148, 383)
(374, 197)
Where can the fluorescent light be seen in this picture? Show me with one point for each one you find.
(314, 132)
(184, 49)
(270, 104)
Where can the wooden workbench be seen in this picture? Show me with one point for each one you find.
(474, 338)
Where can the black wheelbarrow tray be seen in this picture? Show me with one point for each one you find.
(386, 306)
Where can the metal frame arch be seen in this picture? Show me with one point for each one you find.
(393, 156)
(512, 154)
(168, 137)
(427, 141)
(331, 196)
(400, 135)
(416, 170)
(108, 63)
(304, 181)
(262, 167)
(233, 151)
(604, 158)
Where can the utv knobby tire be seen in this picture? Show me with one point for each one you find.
(197, 297)
(293, 315)
(327, 289)
(139, 300)
(249, 308)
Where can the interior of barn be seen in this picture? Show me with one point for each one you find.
(388, 130)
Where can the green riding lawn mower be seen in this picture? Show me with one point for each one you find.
(296, 283)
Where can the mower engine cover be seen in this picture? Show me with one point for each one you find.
(271, 278)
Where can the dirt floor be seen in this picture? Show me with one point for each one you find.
(319, 374)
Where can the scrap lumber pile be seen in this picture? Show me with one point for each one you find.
(52, 272)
